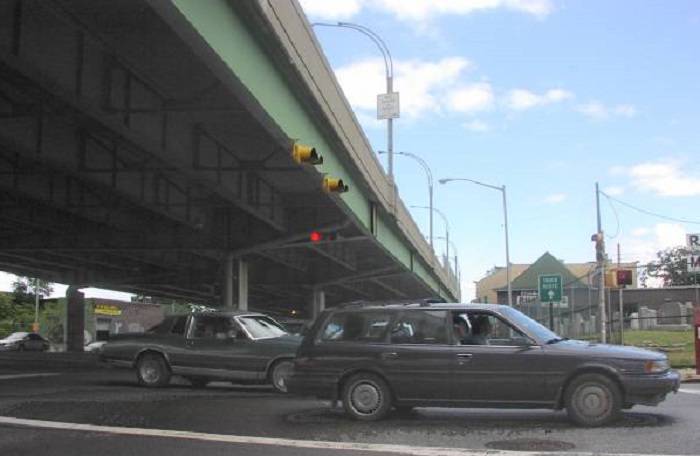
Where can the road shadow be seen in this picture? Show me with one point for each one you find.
(472, 418)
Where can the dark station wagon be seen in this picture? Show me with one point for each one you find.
(375, 357)
(243, 347)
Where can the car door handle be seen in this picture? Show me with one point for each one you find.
(464, 356)
(389, 355)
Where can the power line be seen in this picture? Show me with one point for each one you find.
(647, 212)
(617, 218)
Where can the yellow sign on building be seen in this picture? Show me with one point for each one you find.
(106, 309)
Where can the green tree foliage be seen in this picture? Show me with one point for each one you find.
(23, 289)
(17, 307)
(671, 267)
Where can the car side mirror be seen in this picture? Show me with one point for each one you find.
(524, 342)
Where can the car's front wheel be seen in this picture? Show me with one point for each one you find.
(152, 370)
(279, 373)
(593, 400)
(366, 397)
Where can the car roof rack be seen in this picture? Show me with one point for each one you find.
(425, 302)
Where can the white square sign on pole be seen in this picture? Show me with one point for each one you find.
(388, 106)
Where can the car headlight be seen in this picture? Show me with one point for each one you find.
(656, 366)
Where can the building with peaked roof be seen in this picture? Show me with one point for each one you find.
(493, 287)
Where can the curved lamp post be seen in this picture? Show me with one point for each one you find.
(389, 69)
(429, 175)
(501, 189)
(447, 230)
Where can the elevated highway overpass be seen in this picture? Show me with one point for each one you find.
(146, 146)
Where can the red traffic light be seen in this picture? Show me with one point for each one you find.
(624, 277)
(315, 236)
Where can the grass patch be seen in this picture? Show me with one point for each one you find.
(678, 345)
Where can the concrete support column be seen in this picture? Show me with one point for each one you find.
(318, 302)
(242, 284)
(227, 282)
(75, 320)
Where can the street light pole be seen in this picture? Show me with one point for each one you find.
(456, 254)
(447, 230)
(389, 69)
(505, 226)
(429, 175)
(501, 189)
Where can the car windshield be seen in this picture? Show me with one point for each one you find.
(261, 327)
(16, 336)
(532, 327)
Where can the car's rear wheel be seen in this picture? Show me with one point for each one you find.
(593, 400)
(366, 397)
(279, 373)
(152, 370)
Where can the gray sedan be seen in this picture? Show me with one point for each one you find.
(243, 347)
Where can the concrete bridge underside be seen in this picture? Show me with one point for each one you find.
(132, 160)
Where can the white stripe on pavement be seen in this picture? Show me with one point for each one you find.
(310, 444)
(13, 376)
(683, 390)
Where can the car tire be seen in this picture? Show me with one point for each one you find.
(152, 370)
(198, 382)
(279, 373)
(366, 397)
(593, 400)
(20, 347)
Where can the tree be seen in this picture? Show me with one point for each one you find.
(670, 267)
(23, 289)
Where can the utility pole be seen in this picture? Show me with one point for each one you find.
(35, 327)
(600, 259)
(619, 300)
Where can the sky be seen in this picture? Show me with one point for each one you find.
(543, 96)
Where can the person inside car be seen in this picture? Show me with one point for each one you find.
(481, 330)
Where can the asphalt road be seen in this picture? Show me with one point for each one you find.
(80, 393)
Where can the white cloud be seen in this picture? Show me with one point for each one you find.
(645, 242)
(422, 10)
(664, 179)
(638, 232)
(477, 126)
(471, 98)
(598, 111)
(614, 190)
(555, 198)
(423, 85)
(522, 99)
(332, 10)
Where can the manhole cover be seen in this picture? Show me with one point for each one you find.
(530, 445)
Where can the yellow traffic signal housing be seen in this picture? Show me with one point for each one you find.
(610, 278)
(334, 185)
(306, 154)
(618, 278)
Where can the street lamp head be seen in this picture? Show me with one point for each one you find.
(444, 181)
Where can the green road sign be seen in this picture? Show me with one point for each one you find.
(550, 287)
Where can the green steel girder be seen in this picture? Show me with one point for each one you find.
(221, 31)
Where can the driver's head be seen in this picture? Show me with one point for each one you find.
(483, 325)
